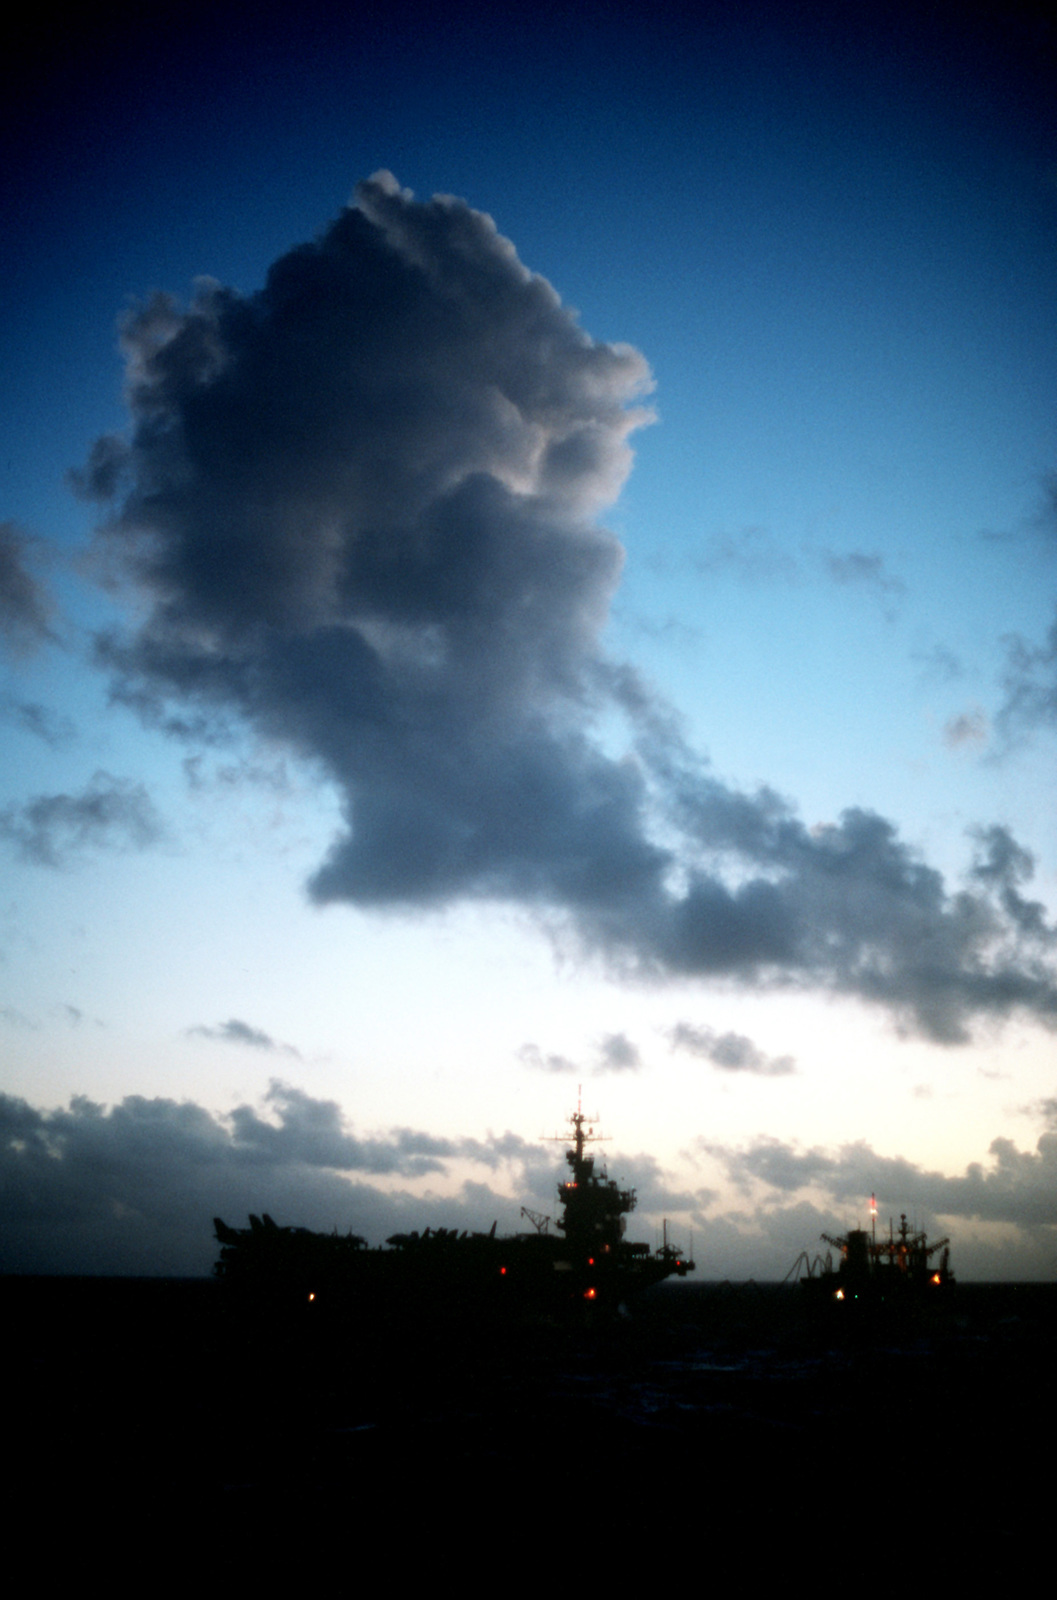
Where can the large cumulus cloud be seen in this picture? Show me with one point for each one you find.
(361, 506)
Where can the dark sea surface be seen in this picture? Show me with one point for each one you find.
(731, 1411)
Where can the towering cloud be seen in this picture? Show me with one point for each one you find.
(361, 506)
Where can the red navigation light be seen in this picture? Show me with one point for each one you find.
(502, 1272)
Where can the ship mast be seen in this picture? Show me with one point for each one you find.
(583, 1134)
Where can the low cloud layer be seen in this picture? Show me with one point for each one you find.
(359, 509)
(1017, 1187)
(1000, 1214)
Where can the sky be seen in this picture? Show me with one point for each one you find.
(528, 562)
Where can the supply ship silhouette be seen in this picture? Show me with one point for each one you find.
(586, 1267)
(895, 1272)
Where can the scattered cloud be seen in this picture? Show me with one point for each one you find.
(110, 813)
(614, 1052)
(755, 555)
(863, 570)
(733, 1052)
(360, 509)
(15, 1018)
(53, 727)
(939, 665)
(1029, 686)
(226, 776)
(1001, 864)
(968, 728)
(24, 605)
(530, 1055)
(1047, 1109)
(1030, 678)
(617, 1053)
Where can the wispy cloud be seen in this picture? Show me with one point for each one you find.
(939, 664)
(53, 727)
(754, 555)
(968, 728)
(1029, 686)
(860, 569)
(25, 608)
(235, 1032)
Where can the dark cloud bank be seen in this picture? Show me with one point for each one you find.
(132, 1188)
(361, 506)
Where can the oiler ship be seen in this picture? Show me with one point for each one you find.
(586, 1267)
(896, 1272)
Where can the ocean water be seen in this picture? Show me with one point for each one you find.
(730, 1408)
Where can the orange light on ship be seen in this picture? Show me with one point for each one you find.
(590, 1294)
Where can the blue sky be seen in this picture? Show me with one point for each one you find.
(729, 791)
